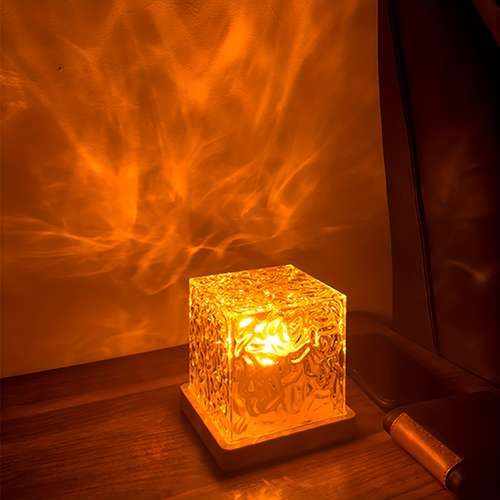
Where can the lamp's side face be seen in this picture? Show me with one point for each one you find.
(287, 369)
(209, 377)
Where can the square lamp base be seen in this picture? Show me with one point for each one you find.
(231, 458)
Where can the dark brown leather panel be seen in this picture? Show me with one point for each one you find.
(448, 61)
(489, 10)
(411, 304)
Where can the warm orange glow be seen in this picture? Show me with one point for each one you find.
(269, 340)
(218, 155)
(146, 141)
(267, 351)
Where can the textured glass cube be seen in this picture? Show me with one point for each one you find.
(266, 352)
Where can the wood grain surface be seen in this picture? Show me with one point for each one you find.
(113, 429)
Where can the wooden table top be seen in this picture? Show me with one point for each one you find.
(113, 429)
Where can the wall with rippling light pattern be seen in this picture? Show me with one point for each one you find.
(145, 141)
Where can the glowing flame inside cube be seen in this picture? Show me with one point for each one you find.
(267, 352)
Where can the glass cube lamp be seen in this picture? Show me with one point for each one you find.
(266, 354)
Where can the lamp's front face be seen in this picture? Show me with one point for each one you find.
(267, 352)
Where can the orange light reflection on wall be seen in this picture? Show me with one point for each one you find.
(148, 141)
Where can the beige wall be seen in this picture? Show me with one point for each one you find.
(147, 141)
